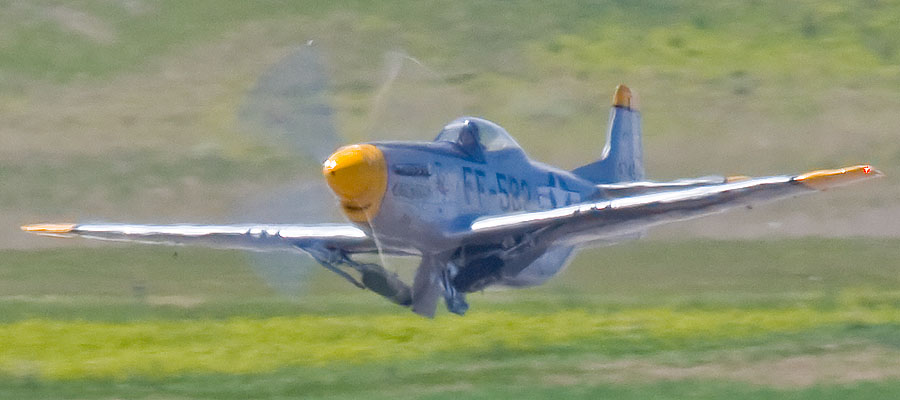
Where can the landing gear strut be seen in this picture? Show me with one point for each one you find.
(433, 278)
(374, 277)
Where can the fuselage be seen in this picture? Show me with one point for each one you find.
(414, 197)
(435, 189)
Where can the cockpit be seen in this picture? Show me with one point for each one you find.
(476, 134)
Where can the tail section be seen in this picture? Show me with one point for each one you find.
(622, 159)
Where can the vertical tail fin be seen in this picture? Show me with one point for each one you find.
(622, 159)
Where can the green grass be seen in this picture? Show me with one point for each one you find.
(421, 380)
(51, 50)
(141, 321)
(676, 33)
(70, 349)
(76, 313)
(387, 382)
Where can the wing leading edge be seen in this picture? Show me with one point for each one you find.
(329, 244)
(582, 223)
(245, 237)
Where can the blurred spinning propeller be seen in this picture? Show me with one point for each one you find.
(290, 107)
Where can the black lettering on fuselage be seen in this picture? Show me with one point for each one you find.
(479, 183)
(514, 190)
(551, 183)
(512, 194)
(503, 193)
(525, 192)
(469, 186)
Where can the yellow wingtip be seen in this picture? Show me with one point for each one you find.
(826, 178)
(622, 97)
(48, 228)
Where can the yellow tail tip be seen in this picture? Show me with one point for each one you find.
(827, 178)
(622, 97)
(48, 228)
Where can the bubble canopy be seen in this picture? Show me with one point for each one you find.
(489, 135)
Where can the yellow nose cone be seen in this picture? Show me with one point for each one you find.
(357, 174)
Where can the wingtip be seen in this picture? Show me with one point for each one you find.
(824, 179)
(48, 228)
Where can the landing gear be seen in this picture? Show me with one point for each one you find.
(374, 277)
(455, 300)
(433, 279)
(385, 283)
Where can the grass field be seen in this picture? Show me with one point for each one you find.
(753, 319)
(129, 111)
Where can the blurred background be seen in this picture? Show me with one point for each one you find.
(155, 111)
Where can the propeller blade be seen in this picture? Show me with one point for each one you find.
(412, 101)
(303, 202)
(289, 105)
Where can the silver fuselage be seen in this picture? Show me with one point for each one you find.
(435, 189)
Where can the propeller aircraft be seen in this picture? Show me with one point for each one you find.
(478, 211)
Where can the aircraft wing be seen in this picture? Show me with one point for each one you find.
(246, 237)
(586, 222)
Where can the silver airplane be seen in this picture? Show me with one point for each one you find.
(478, 210)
